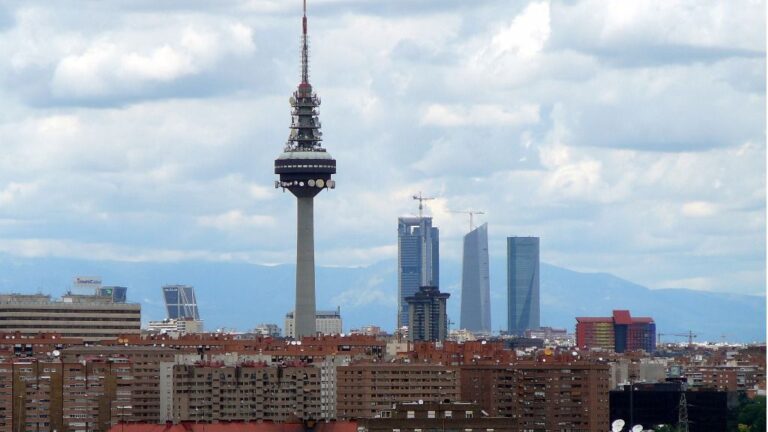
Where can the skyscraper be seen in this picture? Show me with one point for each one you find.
(427, 316)
(418, 255)
(522, 284)
(475, 283)
(305, 169)
(180, 302)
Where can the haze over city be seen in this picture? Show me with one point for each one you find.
(630, 138)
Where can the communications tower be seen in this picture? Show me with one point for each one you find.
(305, 169)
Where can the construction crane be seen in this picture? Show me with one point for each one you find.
(690, 335)
(471, 214)
(421, 200)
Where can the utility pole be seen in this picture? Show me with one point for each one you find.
(682, 413)
(421, 200)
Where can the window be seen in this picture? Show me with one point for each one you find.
(430, 414)
(469, 414)
(410, 414)
(448, 414)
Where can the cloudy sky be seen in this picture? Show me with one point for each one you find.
(630, 136)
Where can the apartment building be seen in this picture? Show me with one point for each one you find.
(209, 391)
(364, 389)
(143, 379)
(555, 395)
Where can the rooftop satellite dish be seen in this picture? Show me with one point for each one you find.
(637, 428)
(320, 183)
(617, 425)
(56, 353)
(292, 100)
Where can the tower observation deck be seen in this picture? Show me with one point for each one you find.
(305, 168)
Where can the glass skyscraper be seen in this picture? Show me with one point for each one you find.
(475, 283)
(418, 258)
(522, 284)
(180, 302)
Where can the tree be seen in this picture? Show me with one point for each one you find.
(752, 414)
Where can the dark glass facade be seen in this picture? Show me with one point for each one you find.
(427, 317)
(522, 284)
(180, 302)
(117, 293)
(418, 256)
(660, 403)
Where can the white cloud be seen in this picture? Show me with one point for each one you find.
(673, 23)
(118, 63)
(698, 209)
(13, 191)
(235, 220)
(627, 139)
(479, 115)
(524, 37)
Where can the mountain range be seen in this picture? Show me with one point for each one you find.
(236, 295)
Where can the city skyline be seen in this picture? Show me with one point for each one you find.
(145, 129)
(629, 136)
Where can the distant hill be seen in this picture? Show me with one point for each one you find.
(240, 295)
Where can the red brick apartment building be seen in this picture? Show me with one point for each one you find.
(365, 389)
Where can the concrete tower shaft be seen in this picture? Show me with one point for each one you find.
(305, 169)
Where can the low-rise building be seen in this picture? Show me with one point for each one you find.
(660, 403)
(620, 332)
(326, 323)
(175, 327)
(268, 330)
(724, 377)
(89, 317)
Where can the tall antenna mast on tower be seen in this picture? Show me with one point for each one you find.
(304, 47)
